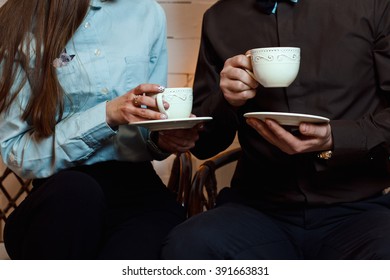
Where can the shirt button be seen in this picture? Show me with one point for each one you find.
(104, 90)
(87, 25)
(97, 52)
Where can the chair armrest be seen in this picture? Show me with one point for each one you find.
(204, 190)
(180, 177)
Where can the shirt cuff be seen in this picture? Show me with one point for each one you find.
(348, 140)
(151, 143)
(95, 126)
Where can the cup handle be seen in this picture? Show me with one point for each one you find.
(250, 74)
(249, 71)
(160, 103)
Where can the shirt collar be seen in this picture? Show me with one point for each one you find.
(276, 5)
(269, 6)
(96, 4)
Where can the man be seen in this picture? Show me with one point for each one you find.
(314, 191)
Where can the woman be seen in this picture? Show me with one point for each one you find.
(74, 74)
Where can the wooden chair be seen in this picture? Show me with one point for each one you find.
(20, 188)
(204, 189)
(181, 176)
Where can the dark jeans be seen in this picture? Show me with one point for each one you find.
(359, 230)
(111, 210)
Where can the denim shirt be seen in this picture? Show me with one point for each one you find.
(118, 46)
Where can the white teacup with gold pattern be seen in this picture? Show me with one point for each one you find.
(275, 67)
(180, 102)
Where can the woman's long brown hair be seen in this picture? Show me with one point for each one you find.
(51, 23)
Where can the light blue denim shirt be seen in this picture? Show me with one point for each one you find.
(118, 46)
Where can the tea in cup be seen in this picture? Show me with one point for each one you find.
(180, 102)
(275, 67)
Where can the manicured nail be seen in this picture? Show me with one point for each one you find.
(161, 88)
(163, 116)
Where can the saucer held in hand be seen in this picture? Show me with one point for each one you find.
(185, 123)
(291, 119)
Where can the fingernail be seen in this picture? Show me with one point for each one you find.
(161, 88)
(251, 121)
(163, 116)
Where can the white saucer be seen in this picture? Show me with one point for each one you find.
(172, 123)
(292, 119)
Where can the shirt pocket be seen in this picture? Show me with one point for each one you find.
(137, 70)
(69, 78)
(74, 82)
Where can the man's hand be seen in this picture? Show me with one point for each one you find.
(236, 84)
(311, 137)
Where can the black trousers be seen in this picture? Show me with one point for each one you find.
(359, 230)
(110, 210)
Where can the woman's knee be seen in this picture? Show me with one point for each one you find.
(69, 202)
(73, 187)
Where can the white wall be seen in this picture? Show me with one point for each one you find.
(184, 22)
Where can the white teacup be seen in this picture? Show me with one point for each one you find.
(180, 102)
(275, 67)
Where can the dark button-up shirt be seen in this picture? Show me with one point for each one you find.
(344, 75)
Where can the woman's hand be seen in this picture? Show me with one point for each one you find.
(311, 137)
(179, 140)
(236, 84)
(135, 105)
